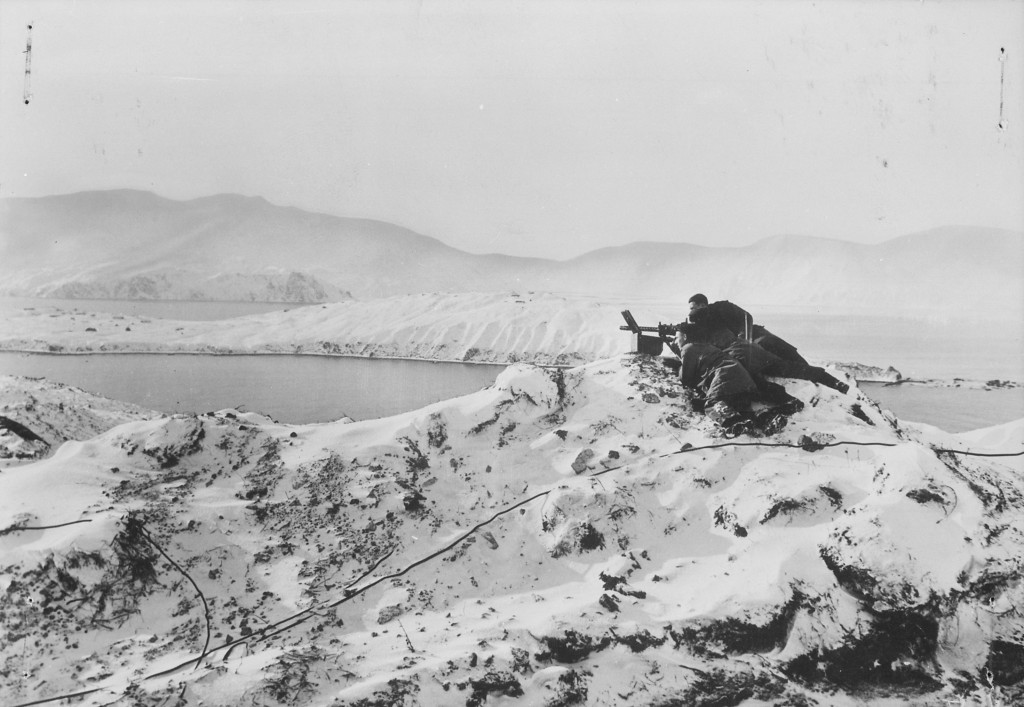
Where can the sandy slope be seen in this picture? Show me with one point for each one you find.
(564, 537)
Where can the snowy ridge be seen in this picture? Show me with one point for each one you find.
(56, 413)
(483, 327)
(563, 537)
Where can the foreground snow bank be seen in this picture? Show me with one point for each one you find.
(563, 537)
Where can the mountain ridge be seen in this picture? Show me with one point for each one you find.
(102, 239)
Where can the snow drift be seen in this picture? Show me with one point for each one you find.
(562, 537)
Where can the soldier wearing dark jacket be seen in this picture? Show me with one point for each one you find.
(766, 354)
(724, 383)
(725, 314)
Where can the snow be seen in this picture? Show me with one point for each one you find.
(566, 537)
(56, 413)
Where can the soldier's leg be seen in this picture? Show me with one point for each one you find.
(781, 348)
(815, 374)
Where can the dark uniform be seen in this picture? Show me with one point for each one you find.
(725, 384)
(725, 314)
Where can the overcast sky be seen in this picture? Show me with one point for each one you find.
(540, 128)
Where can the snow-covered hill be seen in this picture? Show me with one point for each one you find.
(116, 243)
(563, 537)
(485, 327)
(539, 328)
(47, 414)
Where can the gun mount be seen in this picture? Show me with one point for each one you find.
(642, 342)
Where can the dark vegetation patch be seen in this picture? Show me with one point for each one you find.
(640, 641)
(416, 461)
(859, 413)
(833, 496)
(437, 432)
(732, 635)
(856, 580)
(581, 538)
(1006, 661)
(996, 496)
(505, 432)
(289, 681)
(897, 652)
(926, 496)
(63, 594)
(784, 506)
(726, 519)
(572, 647)
(399, 693)
(790, 505)
(590, 538)
(722, 688)
(494, 682)
(571, 689)
(480, 427)
(990, 584)
(191, 441)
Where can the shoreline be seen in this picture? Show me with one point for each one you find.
(320, 354)
(965, 383)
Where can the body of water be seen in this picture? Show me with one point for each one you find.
(970, 349)
(294, 389)
(978, 350)
(303, 389)
(949, 409)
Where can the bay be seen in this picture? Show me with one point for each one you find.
(305, 389)
(949, 408)
(292, 389)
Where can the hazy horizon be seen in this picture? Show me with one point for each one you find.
(533, 129)
(441, 238)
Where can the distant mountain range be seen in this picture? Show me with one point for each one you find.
(137, 245)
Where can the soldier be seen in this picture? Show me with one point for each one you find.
(722, 382)
(739, 321)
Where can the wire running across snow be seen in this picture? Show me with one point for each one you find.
(290, 622)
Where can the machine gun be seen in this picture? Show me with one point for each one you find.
(642, 342)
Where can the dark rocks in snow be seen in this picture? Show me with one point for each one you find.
(580, 464)
(1006, 662)
(571, 647)
(736, 636)
(493, 683)
(898, 650)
